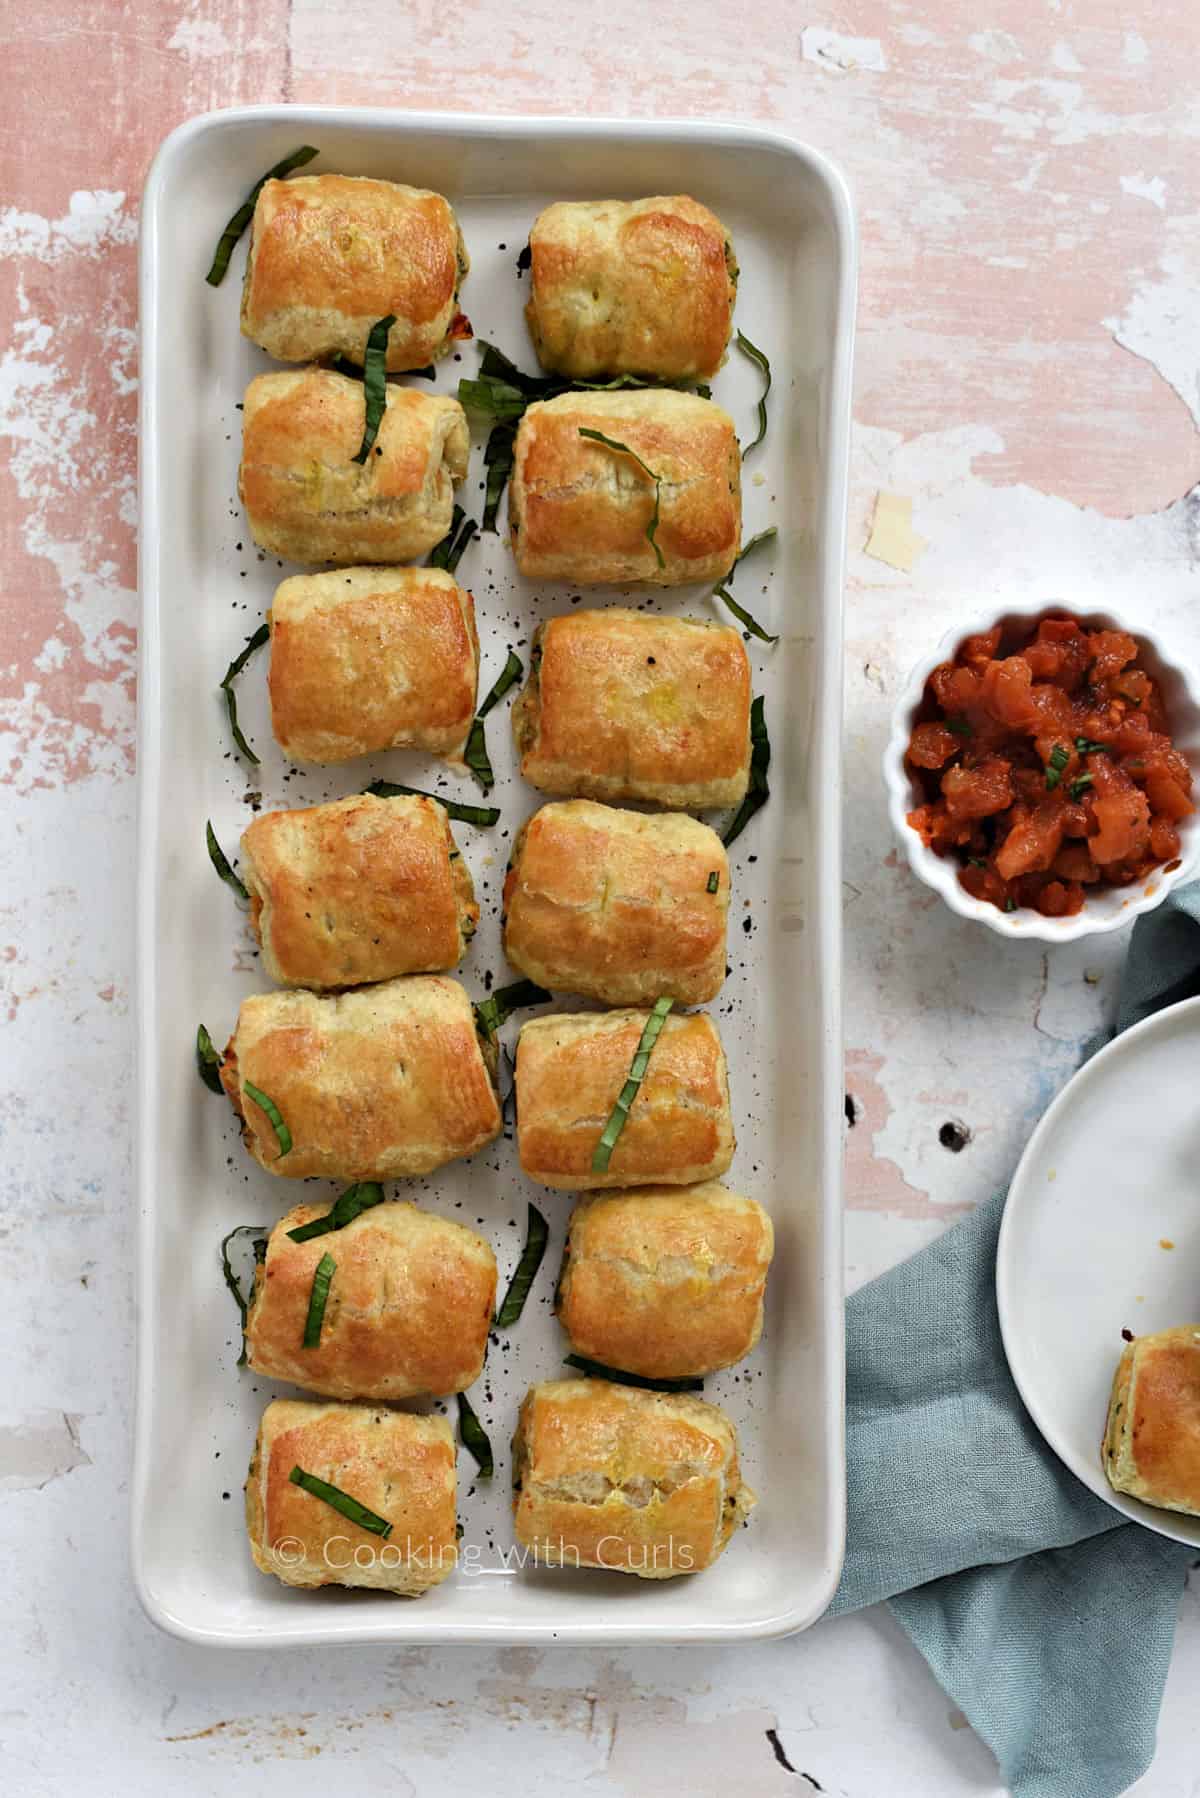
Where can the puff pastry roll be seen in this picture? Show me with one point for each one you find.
(665, 1282)
(1152, 1442)
(570, 1069)
(366, 659)
(579, 511)
(331, 254)
(408, 1309)
(622, 705)
(398, 1466)
(374, 1084)
(617, 905)
(359, 890)
(308, 500)
(638, 1482)
(631, 287)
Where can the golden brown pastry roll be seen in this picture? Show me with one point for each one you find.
(398, 1466)
(570, 1069)
(308, 500)
(631, 287)
(378, 1083)
(665, 1281)
(1152, 1442)
(331, 254)
(366, 659)
(617, 905)
(579, 511)
(359, 890)
(621, 705)
(639, 1482)
(408, 1308)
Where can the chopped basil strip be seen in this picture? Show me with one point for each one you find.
(375, 383)
(272, 1110)
(475, 1437)
(449, 552)
(752, 625)
(260, 1249)
(341, 1501)
(1079, 785)
(1085, 746)
(262, 635)
(208, 1061)
(714, 881)
(961, 727)
(623, 449)
(220, 862)
(1010, 905)
(493, 1011)
(1059, 757)
(245, 212)
(602, 1153)
(483, 815)
(703, 390)
(756, 542)
(525, 259)
(537, 1234)
(356, 1199)
(756, 356)
(317, 1299)
(475, 754)
(596, 1370)
(498, 461)
(758, 791)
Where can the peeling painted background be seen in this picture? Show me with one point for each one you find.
(1027, 402)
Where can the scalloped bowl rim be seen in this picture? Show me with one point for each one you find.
(1116, 906)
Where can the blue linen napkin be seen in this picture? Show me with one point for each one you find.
(1046, 1619)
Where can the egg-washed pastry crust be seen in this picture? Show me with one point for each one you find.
(1151, 1443)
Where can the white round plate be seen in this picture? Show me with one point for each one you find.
(1111, 1173)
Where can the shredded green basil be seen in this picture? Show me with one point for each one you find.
(1085, 746)
(498, 461)
(318, 1298)
(758, 541)
(449, 552)
(1059, 757)
(208, 1062)
(365, 1518)
(274, 1115)
(714, 881)
(596, 1370)
(602, 1153)
(375, 383)
(758, 791)
(260, 1250)
(960, 727)
(220, 862)
(493, 1011)
(475, 755)
(262, 635)
(245, 212)
(756, 356)
(623, 449)
(352, 1203)
(743, 616)
(537, 1234)
(483, 815)
(1080, 784)
(475, 1437)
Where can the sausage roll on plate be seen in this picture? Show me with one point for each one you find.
(332, 254)
(570, 1070)
(663, 510)
(306, 497)
(346, 1495)
(407, 1308)
(375, 1084)
(359, 890)
(617, 905)
(631, 287)
(366, 659)
(621, 705)
(665, 1281)
(1152, 1443)
(638, 1482)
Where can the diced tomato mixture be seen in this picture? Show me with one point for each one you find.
(1047, 769)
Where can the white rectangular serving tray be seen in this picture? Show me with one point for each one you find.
(204, 590)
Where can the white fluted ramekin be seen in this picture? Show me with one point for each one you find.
(1110, 908)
